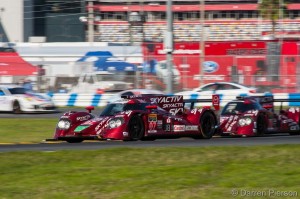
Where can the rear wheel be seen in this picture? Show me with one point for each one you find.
(16, 107)
(136, 128)
(296, 132)
(207, 126)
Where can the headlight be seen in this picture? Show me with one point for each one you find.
(116, 122)
(245, 121)
(64, 124)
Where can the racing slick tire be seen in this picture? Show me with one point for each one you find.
(207, 127)
(16, 108)
(261, 125)
(74, 140)
(297, 132)
(136, 128)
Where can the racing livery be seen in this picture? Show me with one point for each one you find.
(255, 116)
(143, 117)
(16, 99)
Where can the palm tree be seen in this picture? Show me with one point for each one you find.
(272, 10)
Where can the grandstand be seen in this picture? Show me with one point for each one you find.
(224, 20)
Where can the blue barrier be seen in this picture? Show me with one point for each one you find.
(74, 99)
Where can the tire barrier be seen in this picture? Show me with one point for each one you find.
(100, 100)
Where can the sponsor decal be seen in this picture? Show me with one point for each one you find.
(168, 120)
(178, 119)
(101, 124)
(175, 111)
(195, 110)
(180, 51)
(159, 124)
(83, 118)
(191, 128)
(80, 128)
(152, 131)
(168, 127)
(216, 102)
(152, 125)
(167, 99)
(210, 66)
(173, 104)
(152, 117)
(125, 134)
(178, 128)
(242, 51)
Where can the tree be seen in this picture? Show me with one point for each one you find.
(272, 10)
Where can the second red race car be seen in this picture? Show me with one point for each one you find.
(255, 116)
(144, 117)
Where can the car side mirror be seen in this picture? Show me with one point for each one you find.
(90, 108)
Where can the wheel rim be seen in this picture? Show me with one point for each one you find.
(135, 128)
(16, 108)
(208, 125)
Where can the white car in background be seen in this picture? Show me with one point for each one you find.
(228, 88)
(16, 99)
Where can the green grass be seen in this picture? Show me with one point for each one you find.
(26, 130)
(133, 173)
(163, 173)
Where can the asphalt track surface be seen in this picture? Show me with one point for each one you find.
(95, 145)
(181, 142)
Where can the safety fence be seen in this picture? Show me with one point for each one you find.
(100, 100)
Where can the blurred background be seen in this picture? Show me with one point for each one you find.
(63, 46)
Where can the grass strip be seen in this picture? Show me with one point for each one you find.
(26, 129)
(163, 173)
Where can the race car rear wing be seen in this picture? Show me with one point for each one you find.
(215, 100)
(173, 103)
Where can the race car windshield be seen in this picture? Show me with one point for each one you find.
(15, 91)
(234, 108)
(114, 108)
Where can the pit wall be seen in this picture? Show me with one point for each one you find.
(100, 100)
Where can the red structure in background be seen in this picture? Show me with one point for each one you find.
(11, 63)
(269, 65)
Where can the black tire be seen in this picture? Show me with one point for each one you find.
(208, 125)
(74, 140)
(136, 128)
(261, 125)
(148, 139)
(16, 107)
(294, 133)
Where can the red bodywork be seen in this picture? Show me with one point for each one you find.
(161, 116)
(261, 119)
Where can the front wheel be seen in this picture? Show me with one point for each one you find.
(261, 125)
(136, 128)
(16, 107)
(208, 125)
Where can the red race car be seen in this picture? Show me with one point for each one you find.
(255, 116)
(144, 117)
